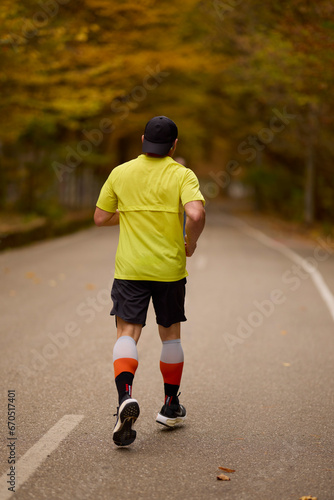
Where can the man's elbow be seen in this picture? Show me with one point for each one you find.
(98, 219)
(198, 216)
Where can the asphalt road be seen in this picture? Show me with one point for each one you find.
(257, 380)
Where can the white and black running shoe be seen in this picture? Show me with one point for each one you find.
(171, 413)
(127, 414)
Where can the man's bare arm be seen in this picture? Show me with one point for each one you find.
(194, 224)
(103, 218)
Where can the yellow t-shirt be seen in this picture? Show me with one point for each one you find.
(150, 194)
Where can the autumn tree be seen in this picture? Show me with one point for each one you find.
(248, 84)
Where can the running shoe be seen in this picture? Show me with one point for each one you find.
(127, 414)
(171, 413)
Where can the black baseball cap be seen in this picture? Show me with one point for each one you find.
(159, 135)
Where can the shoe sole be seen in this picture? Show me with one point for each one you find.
(123, 434)
(169, 422)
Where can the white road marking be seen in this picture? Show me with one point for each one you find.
(35, 456)
(316, 276)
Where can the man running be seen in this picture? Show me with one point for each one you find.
(147, 196)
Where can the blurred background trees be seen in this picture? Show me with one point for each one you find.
(248, 83)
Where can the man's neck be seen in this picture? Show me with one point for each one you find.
(156, 156)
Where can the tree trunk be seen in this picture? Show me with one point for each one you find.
(311, 135)
(309, 185)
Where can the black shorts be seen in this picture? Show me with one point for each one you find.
(131, 299)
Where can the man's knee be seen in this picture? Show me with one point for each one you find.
(171, 333)
(124, 328)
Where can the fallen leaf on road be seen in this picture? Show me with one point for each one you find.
(222, 477)
(284, 332)
(225, 469)
(286, 364)
(30, 275)
(90, 286)
(308, 498)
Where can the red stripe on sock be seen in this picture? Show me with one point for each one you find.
(171, 372)
(125, 365)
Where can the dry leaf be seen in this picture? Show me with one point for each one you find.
(222, 477)
(286, 364)
(225, 469)
(308, 498)
(30, 275)
(284, 332)
(90, 286)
